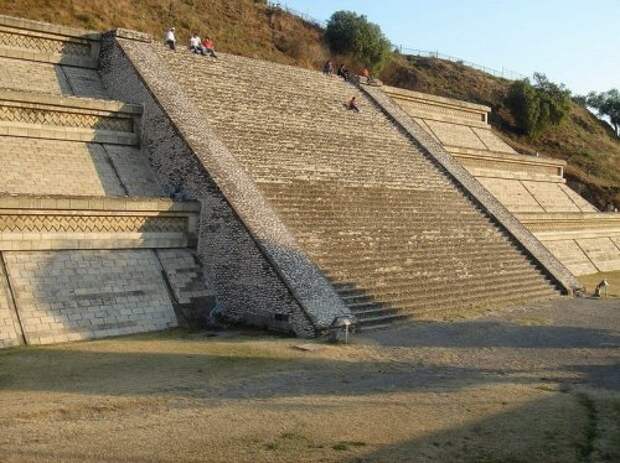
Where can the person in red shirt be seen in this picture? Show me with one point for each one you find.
(208, 46)
(352, 106)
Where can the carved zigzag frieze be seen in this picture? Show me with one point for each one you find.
(43, 44)
(91, 224)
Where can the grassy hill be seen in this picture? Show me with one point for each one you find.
(251, 28)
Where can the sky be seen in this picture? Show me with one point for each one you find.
(574, 42)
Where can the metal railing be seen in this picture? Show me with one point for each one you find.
(306, 17)
(503, 73)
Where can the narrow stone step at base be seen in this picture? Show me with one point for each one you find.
(193, 300)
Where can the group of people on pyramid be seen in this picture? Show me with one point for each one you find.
(206, 46)
(196, 45)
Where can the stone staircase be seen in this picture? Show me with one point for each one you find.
(82, 215)
(392, 233)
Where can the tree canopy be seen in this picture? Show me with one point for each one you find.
(538, 106)
(350, 33)
(607, 104)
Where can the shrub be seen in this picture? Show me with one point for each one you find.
(348, 33)
(538, 106)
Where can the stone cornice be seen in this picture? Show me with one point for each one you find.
(74, 222)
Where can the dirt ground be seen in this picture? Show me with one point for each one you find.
(529, 384)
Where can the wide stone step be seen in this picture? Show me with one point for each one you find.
(456, 293)
(370, 278)
(409, 231)
(428, 284)
(410, 312)
(406, 248)
(360, 296)
(423, 266)
(499, 251)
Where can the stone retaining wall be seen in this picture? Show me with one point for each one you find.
(73, 295)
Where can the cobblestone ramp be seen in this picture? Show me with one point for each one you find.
(392, 233)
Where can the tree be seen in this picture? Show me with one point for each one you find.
(607, 104)
(538, 106)
(350, 33)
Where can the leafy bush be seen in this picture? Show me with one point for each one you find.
(348, 33)
(538, 106)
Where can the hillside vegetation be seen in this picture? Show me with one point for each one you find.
(251, 28)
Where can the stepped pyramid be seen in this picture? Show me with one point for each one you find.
(303, 214)
(90, 245)
(314, 213)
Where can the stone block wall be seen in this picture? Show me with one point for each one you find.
(51, 79)
(72, 295)
(57, 167)
(70, 146)
(533, 188)
(81, 212)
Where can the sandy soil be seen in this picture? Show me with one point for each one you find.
(531, 384)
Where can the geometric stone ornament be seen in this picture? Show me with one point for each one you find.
(48, 223)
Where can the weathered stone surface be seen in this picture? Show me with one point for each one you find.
(72, 295)
(193, 301)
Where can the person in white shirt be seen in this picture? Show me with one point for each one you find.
(170, 39)
(195, 44)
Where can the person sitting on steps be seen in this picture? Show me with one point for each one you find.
(343, 72)
(170, 39)
(194, 44)
(208, 46)
(328, 68)
(352, 106)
